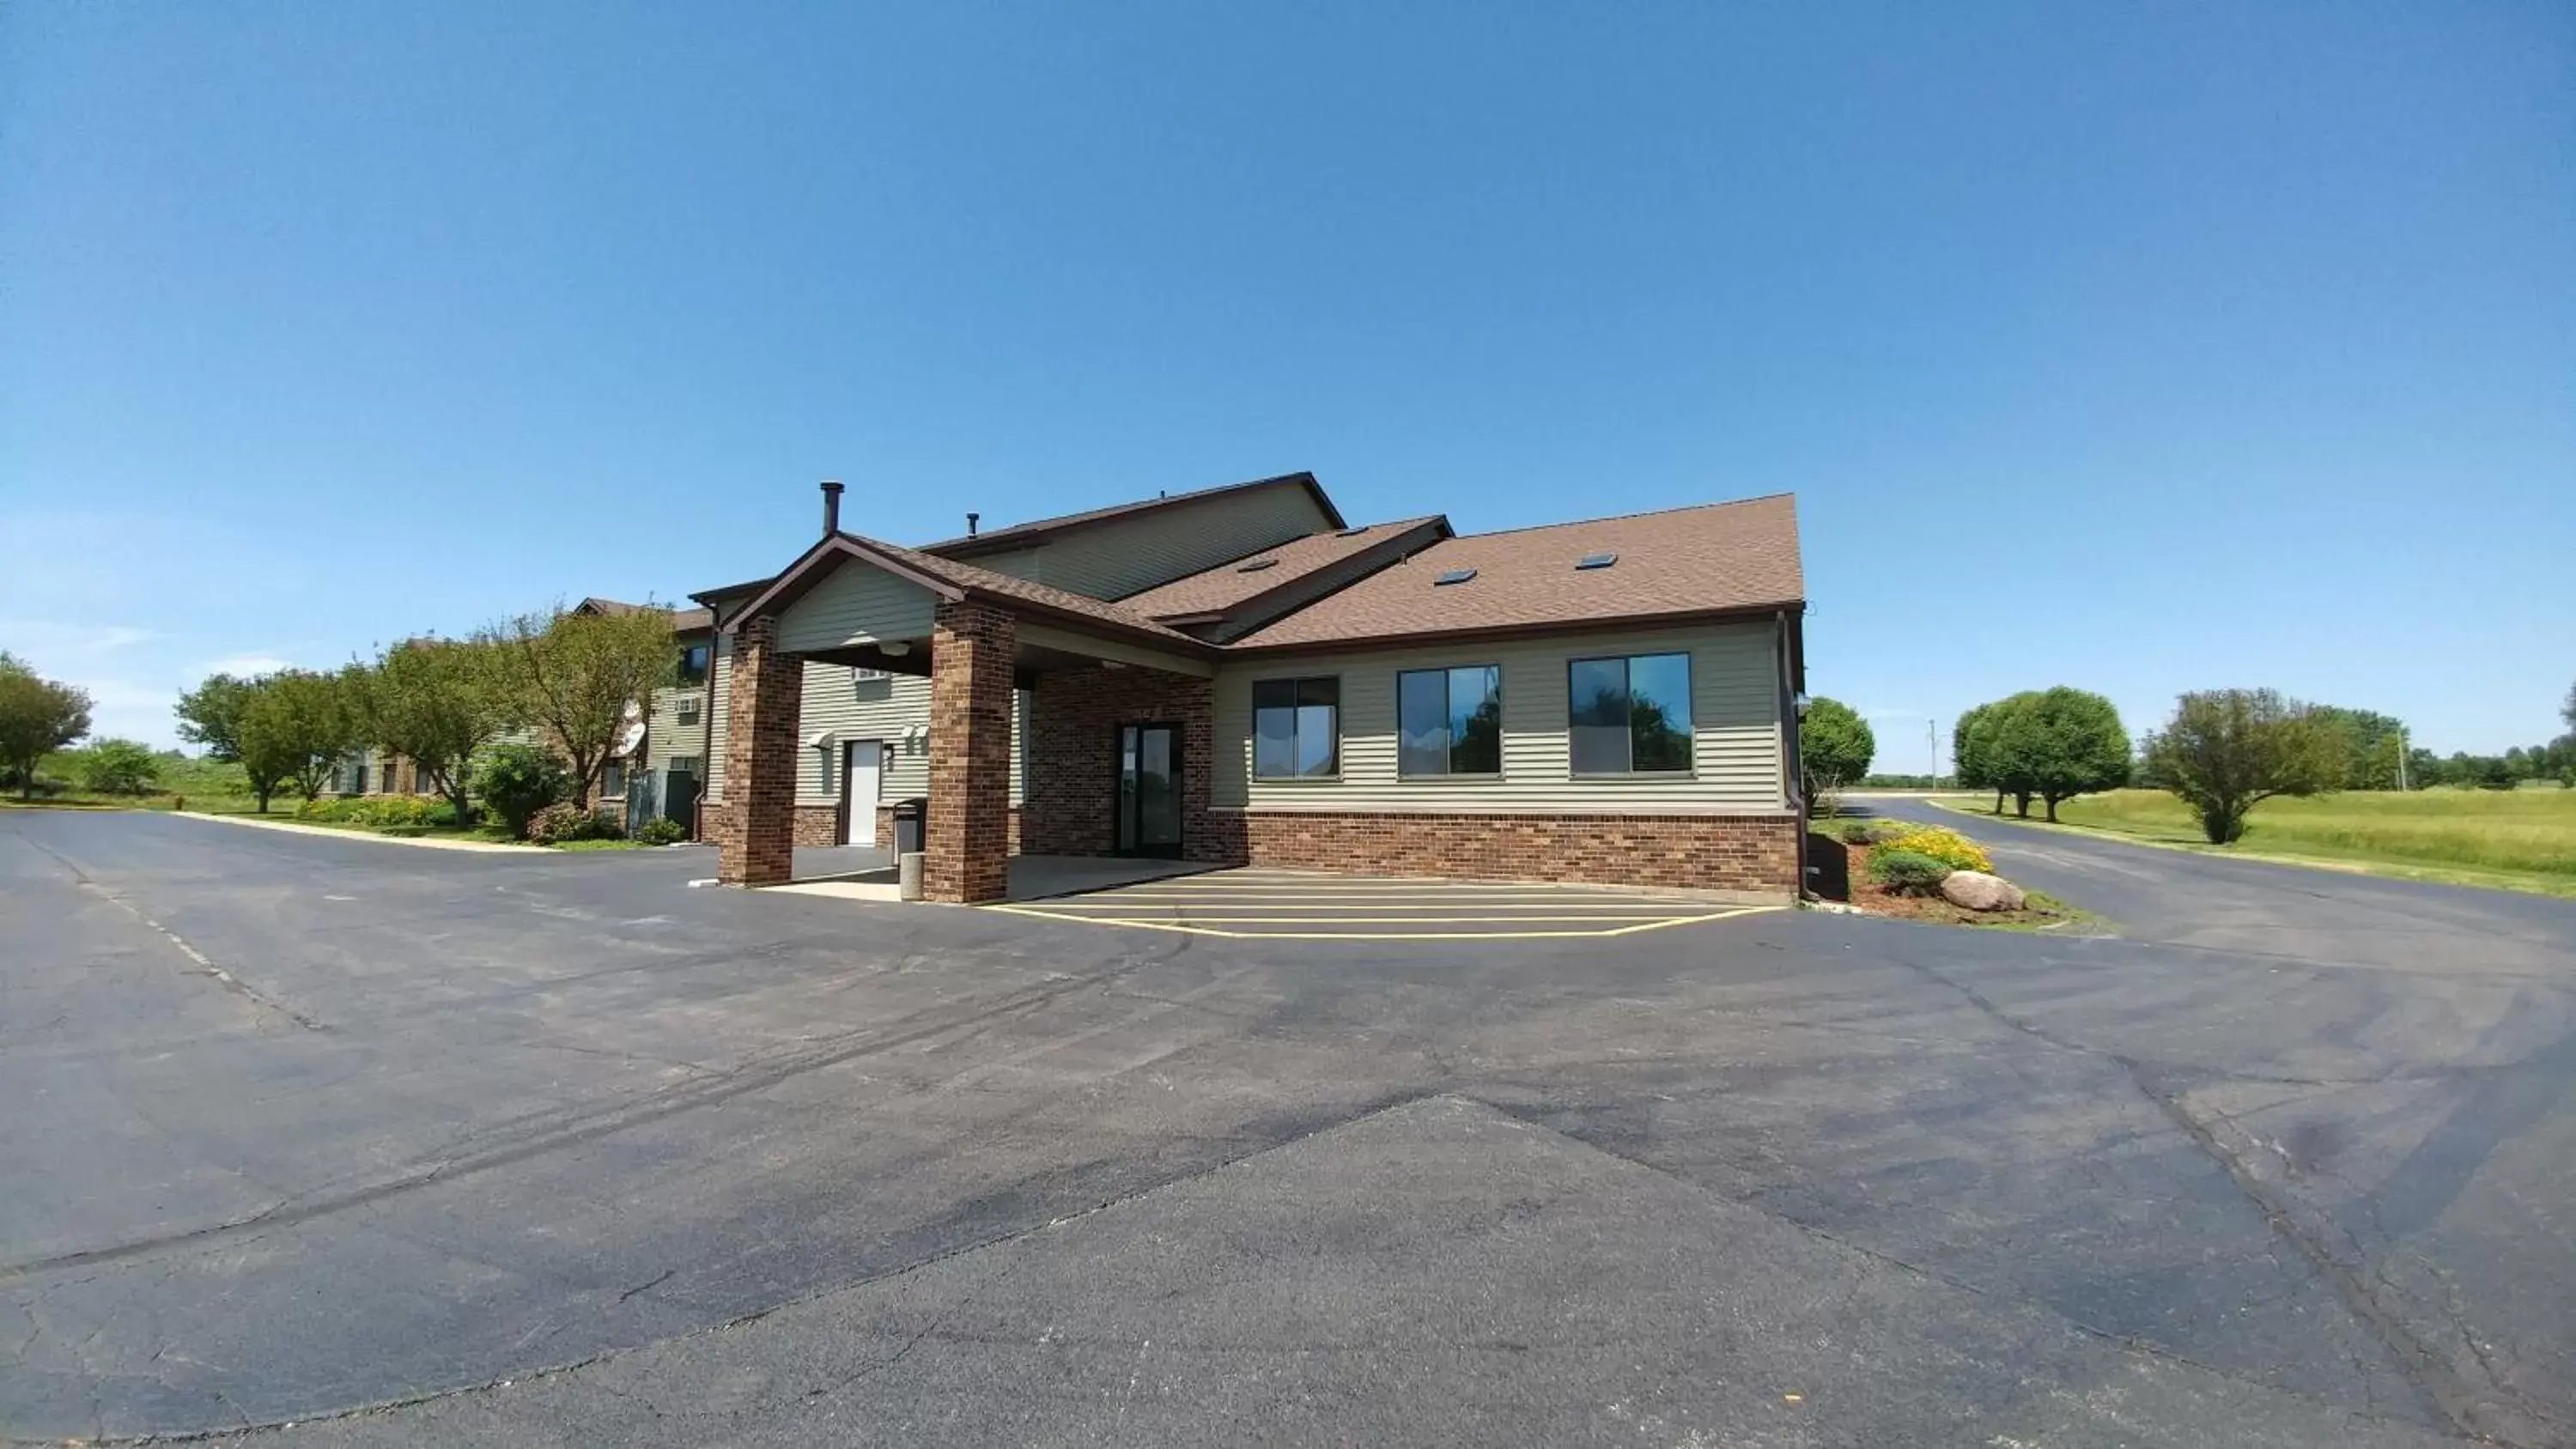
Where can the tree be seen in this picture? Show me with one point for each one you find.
(1970, 755)
(37, 717)
(295, 728)
(580, 675)
(2229, 750)
(1834, 746)
(210, 715)
(2372, 741)
(2567, 710)
(2059, 743)
(517, 781)
(119, 767)
(436, 702)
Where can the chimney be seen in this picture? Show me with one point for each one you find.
(971, 520)
(831, 509)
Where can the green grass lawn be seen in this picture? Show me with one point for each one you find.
(2516, 839)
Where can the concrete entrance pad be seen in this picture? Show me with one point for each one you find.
(865, 873)
(1322, 906)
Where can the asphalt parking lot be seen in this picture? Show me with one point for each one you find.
(416, 1147)
(1293, 905)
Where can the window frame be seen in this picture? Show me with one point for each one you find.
(1449, 762)
(1296, 684)
(689, 712)
(618, 789)
(1628, 691)
(704, 670)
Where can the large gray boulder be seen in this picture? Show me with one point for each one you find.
(1977, 891)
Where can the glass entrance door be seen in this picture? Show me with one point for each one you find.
(1149, 790)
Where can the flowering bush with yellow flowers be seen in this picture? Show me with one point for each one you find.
(1946, 846)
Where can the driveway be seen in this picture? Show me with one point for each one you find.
(556, 1150)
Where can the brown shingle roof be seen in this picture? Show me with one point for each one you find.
(1018, 534)
(1227, 585)
(682, 620)
(1683, 561)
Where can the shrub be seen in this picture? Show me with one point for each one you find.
(404, 811)
(1856, 832)
(566, 820)
(1946, 846)
(119, 767)
(408, 813)
(661, 830)
(518, 781)
(1906, 872)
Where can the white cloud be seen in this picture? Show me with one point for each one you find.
(122, 709)
(39, 640)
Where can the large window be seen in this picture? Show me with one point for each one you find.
(1631, 715)
(693, 663)
(1449, 721)
(1296, 728)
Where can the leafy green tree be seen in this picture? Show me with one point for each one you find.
(119, 767)
(2057, 744)
(296, 728)
(2371, 741)
(582, 675)
(517, 781)
(1834, 746)
(2424, 769)
(37, 717)
(437, 702)
(2567, 710)
(210, 714)
(2228, 750)
(1972, 753)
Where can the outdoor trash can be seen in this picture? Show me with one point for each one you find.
(908, 822)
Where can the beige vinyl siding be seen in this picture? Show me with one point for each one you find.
(885, 710)
(1113, 560)
(855, 603)
(1735, 729)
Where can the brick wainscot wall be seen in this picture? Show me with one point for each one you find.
(1752, 855)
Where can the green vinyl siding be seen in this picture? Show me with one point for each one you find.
(855, 603)
(886, 710)
(1735, 729)
(1129, 555)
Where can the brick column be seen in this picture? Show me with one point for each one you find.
(762, 699)
(967, 856)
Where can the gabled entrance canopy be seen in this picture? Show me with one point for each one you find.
(976, 634)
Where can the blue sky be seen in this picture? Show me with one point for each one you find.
(2141, 348)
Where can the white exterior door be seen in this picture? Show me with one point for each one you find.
(866, 766)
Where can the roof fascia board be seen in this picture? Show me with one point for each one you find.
(809, 569)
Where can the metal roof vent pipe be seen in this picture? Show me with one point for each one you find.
(971, 520)
(831, 508)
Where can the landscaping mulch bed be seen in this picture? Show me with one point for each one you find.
(1869, 897)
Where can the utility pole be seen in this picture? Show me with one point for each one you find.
(1932, 737)
(2401, 759)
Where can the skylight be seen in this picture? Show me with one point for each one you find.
(1256, 566)
(1453, 576)
(1597, 561)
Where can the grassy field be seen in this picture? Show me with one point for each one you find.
(2516, 839)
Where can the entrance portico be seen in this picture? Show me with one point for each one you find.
(1117, 753)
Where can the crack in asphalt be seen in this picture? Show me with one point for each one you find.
(200, 965)
(582, 1127)
(1375, 1107)
(2430, 1372)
